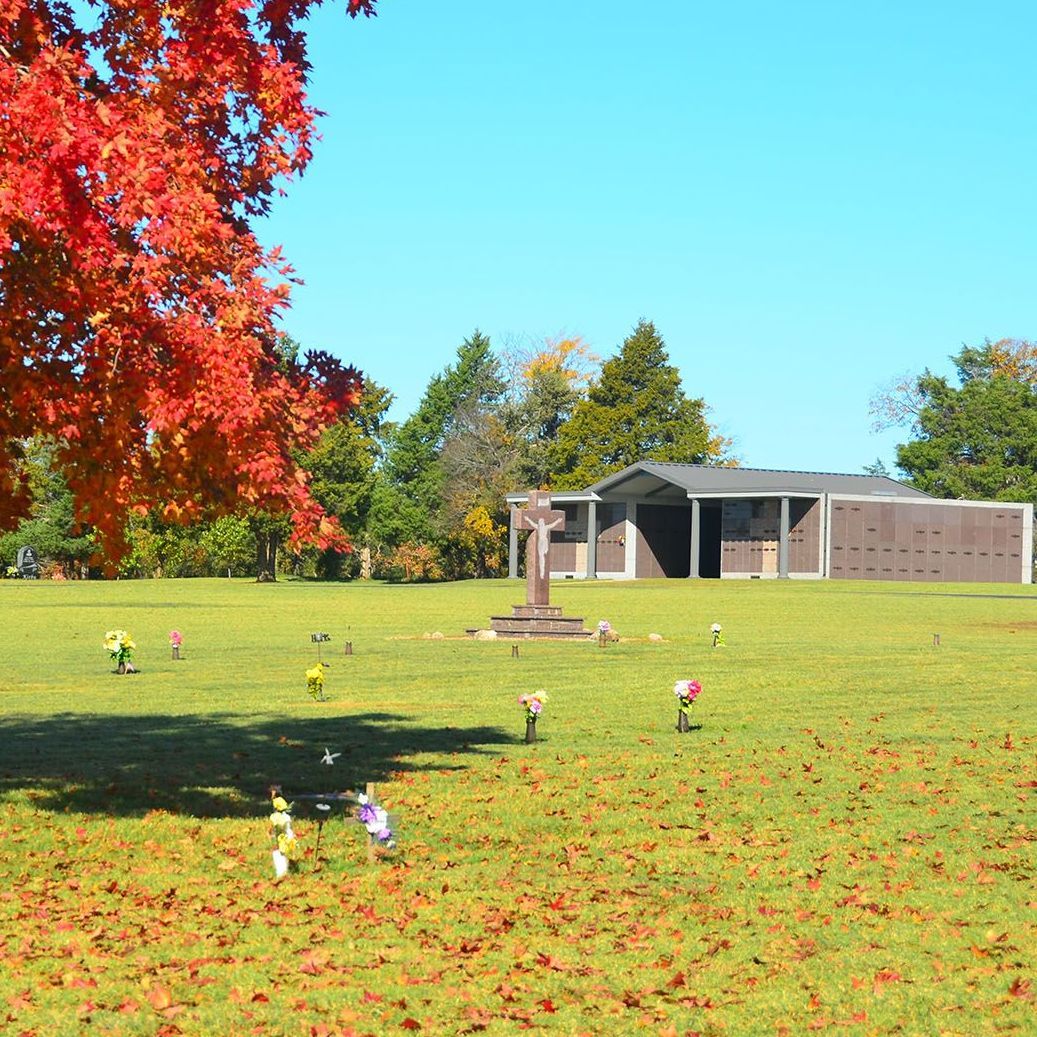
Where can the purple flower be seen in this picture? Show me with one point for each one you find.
(366, 814)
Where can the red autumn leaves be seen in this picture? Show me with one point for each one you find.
(136, 305)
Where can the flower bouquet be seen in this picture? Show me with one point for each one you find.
(176, 639)
(286, 848)
(534, 703)
(718, 637)
(686, 692)
(376, 821)
(315, 682)
(119, 645)
(604, 630)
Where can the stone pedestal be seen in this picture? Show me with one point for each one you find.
(539, 621)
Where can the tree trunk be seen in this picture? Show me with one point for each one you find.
(266, 557)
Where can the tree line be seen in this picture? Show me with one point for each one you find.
(423, 498)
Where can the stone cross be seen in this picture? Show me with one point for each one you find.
(539, 519)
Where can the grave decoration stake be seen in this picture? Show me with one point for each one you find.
(534, 703)
(936, 640)
(686, 692)
(119, 646)
(604, 629)
(315, 682)
(176, 639)
(318, 639)
(323, 810)
(329, 757)
(286, 849)
(718, 635)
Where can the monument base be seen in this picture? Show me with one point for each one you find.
(547, 621)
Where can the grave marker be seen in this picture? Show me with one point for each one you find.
(27, 563)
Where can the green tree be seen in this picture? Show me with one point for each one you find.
(51, 526)
(977, 439)
(410, 505)
(343, 467)
(636, 411)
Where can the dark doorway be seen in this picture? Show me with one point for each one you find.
(709, 540)
(664, 540)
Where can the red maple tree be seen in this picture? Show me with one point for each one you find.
(136, 305)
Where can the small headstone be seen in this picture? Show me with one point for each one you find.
(27, 562)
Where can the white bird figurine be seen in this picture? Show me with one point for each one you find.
(329, 756)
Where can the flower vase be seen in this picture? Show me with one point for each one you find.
(682, 721)
(121, 668)
(602, 639)
(176, 651)
(531, 731)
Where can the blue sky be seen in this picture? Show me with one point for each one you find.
(807, 199)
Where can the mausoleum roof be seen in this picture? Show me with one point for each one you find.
(666, 480)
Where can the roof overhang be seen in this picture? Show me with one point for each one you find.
(557, 497)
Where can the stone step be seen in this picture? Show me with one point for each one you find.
(547, 635)
(510, 626)
(536, 611)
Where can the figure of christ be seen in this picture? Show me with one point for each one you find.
(542, 530)
(540, 520)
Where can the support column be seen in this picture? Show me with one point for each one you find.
(513, 549)
(630, 548)
(592, 539)
(696, 537)
(783, 541)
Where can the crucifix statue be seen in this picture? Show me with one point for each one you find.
(539, 519)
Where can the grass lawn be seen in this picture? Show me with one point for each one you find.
(845, 839)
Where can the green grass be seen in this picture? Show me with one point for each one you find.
(845, 839)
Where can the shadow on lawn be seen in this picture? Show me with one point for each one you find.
(217, 765)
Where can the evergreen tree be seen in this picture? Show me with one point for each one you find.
(410, 504)
(637, 411)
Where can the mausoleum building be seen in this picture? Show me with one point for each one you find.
(655, 519)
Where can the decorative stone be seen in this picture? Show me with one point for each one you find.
(486, 635)
(656, 637)
(437, 635)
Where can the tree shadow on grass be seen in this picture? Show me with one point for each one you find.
(215, 765)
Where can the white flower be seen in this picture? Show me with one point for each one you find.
(715, 628)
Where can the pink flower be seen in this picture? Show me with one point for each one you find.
(176, 639)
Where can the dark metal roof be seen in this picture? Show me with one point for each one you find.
(662, 479)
